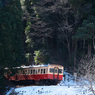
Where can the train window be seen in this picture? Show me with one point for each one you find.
(18, 72)
(41, 71)
(51, 70)
(33, 71)
(13, 72)
(28, 71)
(38, 71)
(25, 71)
(60, 70)
(44, 71)
(55, 70)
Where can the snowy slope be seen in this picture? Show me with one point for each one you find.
(52, 90)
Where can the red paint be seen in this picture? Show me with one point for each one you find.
(35, 77)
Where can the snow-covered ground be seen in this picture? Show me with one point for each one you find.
(52, 90)
(66, 87)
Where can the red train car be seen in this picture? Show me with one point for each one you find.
(44, 74)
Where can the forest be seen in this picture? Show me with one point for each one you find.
(46, 31)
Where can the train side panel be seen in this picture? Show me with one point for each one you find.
(35, 77)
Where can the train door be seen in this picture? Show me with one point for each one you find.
(56, 73)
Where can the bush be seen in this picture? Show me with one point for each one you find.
(41, 57)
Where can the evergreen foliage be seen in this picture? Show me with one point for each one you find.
(87, 28)
(61, 26)
(41, 57)
(11, 35)
(11, 44)
(48, 28)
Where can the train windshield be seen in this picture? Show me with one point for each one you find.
(55, 70)
(60, 70)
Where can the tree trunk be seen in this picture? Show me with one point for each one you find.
(75, 54)
(69, 51)
(89, 50)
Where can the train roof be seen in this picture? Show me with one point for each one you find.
(31, 66)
